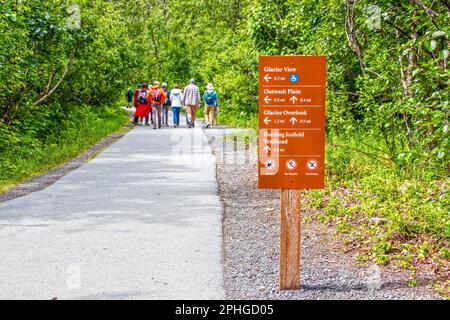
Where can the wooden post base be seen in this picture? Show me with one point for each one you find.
(290, 224)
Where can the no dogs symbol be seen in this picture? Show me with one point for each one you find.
(312, 164)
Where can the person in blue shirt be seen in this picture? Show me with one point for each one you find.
(211, 103)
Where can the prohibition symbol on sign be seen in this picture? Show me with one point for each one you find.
(291, 164)
(312, 164)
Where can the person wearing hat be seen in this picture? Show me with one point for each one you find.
(166, 105)
(211, 103)
(191, 100)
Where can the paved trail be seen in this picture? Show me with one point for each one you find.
(140, 221)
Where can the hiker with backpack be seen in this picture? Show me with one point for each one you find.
(142, 101)
(157, 98)
(136, 92)
(176, 98)
(211, 103)
(166, 105)
(191, 100)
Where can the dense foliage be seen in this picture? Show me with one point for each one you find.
(387, 99)
(387, 63)
(60, 63)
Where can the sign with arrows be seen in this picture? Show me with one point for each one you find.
(292, 91)
(291, 154)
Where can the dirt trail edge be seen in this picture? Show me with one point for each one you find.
(251, 238)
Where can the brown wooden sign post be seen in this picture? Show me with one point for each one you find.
(292, 93)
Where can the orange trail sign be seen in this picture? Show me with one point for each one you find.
(292, 93)
(291, 143)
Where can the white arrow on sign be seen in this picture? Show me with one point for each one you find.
(267, 99)
(267, 78)
(293, 120)
(267, 120)
(267, 149)
(294, 99)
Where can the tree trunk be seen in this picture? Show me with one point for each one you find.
(350, 31)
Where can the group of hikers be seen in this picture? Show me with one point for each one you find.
(153, 103)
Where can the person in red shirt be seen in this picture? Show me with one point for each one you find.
(135, 95)
(142, 102)
(157, 97)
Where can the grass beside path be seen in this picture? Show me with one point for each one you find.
(387, 219)
(29, 153)
(386, 215)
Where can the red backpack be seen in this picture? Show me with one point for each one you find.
(156, 95)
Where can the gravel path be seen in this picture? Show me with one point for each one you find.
(250, 244)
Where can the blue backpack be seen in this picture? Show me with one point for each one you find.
(210, 97)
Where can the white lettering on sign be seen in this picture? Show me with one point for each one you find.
(276, 141)
(299, 134)
(277, 69)
(295, 134)
(274, 69)
(287, 69)
(295, 113)
(275, 91)
(282, 91)
(285, 113)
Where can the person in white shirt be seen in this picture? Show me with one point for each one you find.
(176, 98)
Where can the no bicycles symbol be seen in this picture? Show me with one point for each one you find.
(291, 164)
